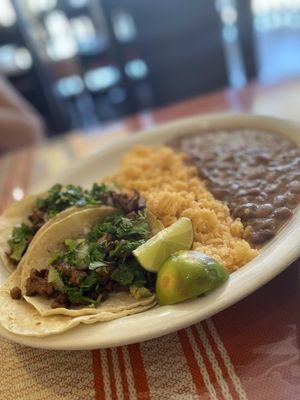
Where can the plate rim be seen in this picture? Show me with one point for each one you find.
(203, 122)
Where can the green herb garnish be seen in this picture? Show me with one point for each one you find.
(61, 197)
(122, 227)
(105, 254)
(21, 236)
(139, 292)
(56, 280)
(58, 198)
(89, 290)
(124, 248)
(130, 273)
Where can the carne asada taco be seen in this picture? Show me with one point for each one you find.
(21, 318)
(83, 264)
(21, 221)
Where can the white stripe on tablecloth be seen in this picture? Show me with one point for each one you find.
(117, 374)
(201, 363)
(129, 374)
(106, 378)
(214, 362)
(227, 361)
(178, 382)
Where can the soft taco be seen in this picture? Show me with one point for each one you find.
(83, 264)
(24, 220)
(79, 270)
(21, 318)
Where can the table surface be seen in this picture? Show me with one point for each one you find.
(249, 351)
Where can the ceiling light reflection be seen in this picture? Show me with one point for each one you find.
(18, 193)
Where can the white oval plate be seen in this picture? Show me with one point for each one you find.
(274, 257)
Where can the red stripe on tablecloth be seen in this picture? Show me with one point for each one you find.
(18, 174)
(191, 362)
(112, 379)
(208, 365)
(26, 172)
(9, 181)
(220, 360)
(139, 373)
(98, 375)
(123, 374)
(2, 163)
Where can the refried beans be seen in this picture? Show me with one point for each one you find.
(256, 173)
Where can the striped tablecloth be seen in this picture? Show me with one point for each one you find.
(249, 351)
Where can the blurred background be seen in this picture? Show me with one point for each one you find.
(82, 63)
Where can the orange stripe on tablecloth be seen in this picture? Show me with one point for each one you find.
(98, 375)
(26, 172)
(9, 181)
(139, 372)
(208, 365)
(18, 174)
(191, 361)
(3, 163)
(122, 372)
(111, 374)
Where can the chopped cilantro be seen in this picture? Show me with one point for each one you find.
(96, 265)
(130, 273)
(90, 282)
(21, 236)
(124, 248)
(55, 257)
(55, 278)
(105, 256)
(74, 294)
(58, 198)
(139, 292)
(61, 197)
(122, 227)
(138, 272)
(70, 244)
(89, 286)
(122, 275)
(97, 190)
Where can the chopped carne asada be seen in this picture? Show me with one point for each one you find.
(37, 218)
(16, 293)
(59, 198)
(61, 300)
(127, 203)
(91, 268)
(37, 283)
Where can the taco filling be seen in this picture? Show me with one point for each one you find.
(58, 199)
(88, 269)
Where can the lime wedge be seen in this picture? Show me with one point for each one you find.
(152, 254)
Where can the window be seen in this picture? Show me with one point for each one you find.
(7, 14)
(78, 3)
(123, 25)
(136, 69)
(62, 44)
(14, 59)
(102, 78)
(70, 86)
(38, 6)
